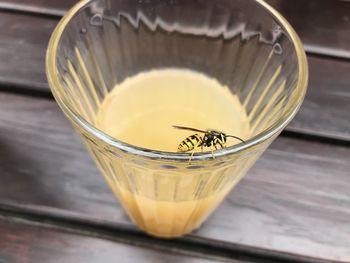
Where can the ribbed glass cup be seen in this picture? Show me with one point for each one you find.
(244, 44)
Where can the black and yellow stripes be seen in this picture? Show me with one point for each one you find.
(221, 140)
(190, 143)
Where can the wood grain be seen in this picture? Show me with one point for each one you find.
(323, 25)
(40, 7)
(294, 200)
(53, 4)
(325, 111)
(22, 55)
(23, 45)
(23, 242)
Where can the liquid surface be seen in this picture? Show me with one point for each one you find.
(142, 110)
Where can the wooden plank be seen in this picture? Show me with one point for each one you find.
(324, 112)
(294, 200)
(323, 25)
(52, 7)
(22, 242)
(52, 4)
(23, 45)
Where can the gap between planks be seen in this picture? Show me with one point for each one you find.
(32, 10)
(205, 248)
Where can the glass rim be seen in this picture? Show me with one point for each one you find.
(52, 76)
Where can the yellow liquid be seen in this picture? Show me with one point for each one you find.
(141, 111)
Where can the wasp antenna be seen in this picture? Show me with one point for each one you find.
(188, 128)
(235, 137)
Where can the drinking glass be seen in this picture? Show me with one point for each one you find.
(244, 44)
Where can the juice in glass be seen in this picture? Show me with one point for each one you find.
(142, 111)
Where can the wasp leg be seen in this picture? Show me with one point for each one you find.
(214, 144)
(212, 153)
(191, 156)
(194, 150)
(222, 145)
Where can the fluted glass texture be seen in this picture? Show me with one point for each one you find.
(244, 44)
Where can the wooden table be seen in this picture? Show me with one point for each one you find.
(293, 206)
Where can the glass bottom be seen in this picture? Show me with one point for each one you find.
(168, 219)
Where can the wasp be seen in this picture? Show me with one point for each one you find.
(209, 138)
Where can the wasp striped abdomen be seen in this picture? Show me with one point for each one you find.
(190, 143)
